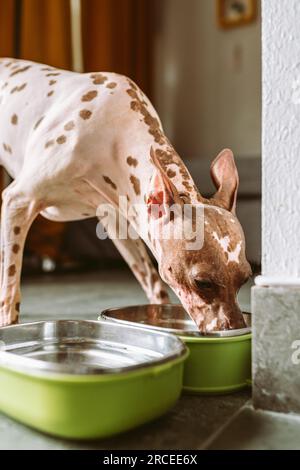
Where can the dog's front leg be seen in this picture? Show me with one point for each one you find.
(136, 256)
(17, 213)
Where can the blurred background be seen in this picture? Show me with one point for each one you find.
(197, 60)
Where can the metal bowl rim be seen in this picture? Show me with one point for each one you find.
(104, 314)
(38, 367)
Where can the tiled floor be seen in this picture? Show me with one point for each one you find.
(187, 426)
(257, 430)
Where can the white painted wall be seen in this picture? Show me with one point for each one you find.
(208, 80)
(281, 140)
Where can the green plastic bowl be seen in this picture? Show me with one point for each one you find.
(62, 377)
(218, 363)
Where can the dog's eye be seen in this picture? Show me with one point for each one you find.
(204, 284)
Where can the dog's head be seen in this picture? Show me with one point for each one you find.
(205, 263)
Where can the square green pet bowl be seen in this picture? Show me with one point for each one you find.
(218, 362)
(87, 379)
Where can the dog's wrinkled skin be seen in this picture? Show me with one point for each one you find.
(73, 141)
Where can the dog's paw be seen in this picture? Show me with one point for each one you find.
(9, 313)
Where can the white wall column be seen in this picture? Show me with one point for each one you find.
(276, 298)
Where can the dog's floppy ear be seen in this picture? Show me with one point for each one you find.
(162, 191)
(226, 179)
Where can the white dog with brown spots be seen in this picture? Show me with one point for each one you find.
(73, 141)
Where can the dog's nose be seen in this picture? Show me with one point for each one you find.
(236, 320)
(229, 317)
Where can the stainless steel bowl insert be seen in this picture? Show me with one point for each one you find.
(171, 318)
(84, 347)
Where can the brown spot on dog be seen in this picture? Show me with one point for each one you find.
(14, 119)
(17, 230)
(183, 171)
(154, 278)
(16, 248)
(171, 173)
(132, 161)
(61, 139)
(111, 85)
(7, 148)
(18, 88)
(12, 270)
(139, 105)
(52, 82)
(186, 198)
(90, 95)
(69, 126)
(85, 114)
(38, 123)
(98, 78)
(135, 106)
(110, 182)
(17, 306)
(163, 294)
(144, 277)
(50, 93)
(133, 93)
(136, 268)
(50, 143)
(132, 84)
(154, 128)
(187, 185)
(168, 157)
(136, 184)
(20, 70)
